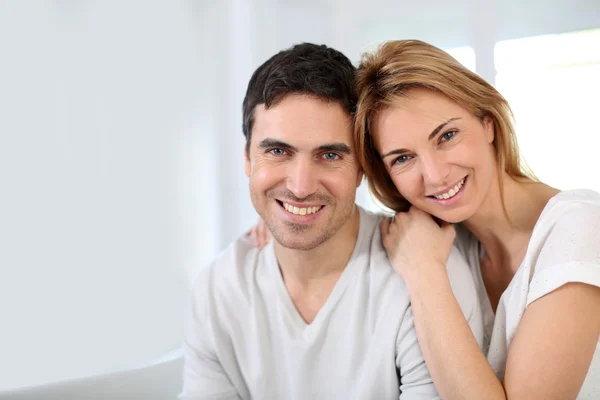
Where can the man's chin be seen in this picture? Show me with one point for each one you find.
(298, 241)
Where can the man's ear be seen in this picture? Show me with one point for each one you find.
(247, 165)
(488, 125)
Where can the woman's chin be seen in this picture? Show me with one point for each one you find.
(449, 216)
(453, 220)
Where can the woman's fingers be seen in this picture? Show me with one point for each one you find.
(259, 234)
(384, 226)
(265, 235)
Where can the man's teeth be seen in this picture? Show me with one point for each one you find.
(301, 211)
(451, 192)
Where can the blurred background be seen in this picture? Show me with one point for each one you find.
(121, 164)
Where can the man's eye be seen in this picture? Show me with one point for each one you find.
(330, 156)
(277, 152)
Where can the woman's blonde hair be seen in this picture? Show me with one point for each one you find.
(385, 75)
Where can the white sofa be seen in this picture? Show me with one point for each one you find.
(159, 380)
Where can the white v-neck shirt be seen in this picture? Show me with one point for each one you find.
(244, 338)
(564, 247)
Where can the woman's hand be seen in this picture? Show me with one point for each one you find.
(260, 234)
(414, 242)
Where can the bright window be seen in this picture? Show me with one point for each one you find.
(464, 55)
(552, 84)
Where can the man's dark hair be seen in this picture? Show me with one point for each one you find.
(305, 68)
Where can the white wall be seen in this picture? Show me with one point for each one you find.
(105, 182)
(121, 168)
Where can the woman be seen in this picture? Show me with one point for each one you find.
(437, 141)
(438, 147)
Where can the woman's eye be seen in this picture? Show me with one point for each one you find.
(402, 159)
(330, 156)
(447, 136)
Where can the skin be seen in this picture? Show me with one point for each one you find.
(301, 153)
(563, 325)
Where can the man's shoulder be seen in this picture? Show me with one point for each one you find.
(231, 269)
(459, 271)
(465, 289)
(370, 237)
(370, 218)
(385, 286)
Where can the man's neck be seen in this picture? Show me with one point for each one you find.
(311, 275)
(307, 268)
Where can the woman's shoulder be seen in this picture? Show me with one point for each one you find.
(565, 244)
(571, 209)
(581, 196)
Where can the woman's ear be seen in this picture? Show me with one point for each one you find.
(488, 125)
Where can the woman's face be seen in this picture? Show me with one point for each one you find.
(439, 155)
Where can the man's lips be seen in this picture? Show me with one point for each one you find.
(301, 209)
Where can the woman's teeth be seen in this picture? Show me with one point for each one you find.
(451, 192)
(301, 211)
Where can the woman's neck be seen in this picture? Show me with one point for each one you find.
(505, 221)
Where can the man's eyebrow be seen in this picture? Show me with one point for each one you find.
(439, 128)
(337, 147)
(269, 143)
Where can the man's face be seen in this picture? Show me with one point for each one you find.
(303, 170)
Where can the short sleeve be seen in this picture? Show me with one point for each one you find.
(415, 381)
(570, 252)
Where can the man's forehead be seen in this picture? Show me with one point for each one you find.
(302, 106)
(305, 143)
(306, 123)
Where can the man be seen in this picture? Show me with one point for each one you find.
(319, 313)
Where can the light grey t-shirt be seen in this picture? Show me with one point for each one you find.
(564, 247)
(244, 338)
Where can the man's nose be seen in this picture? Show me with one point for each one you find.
(302, 177)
